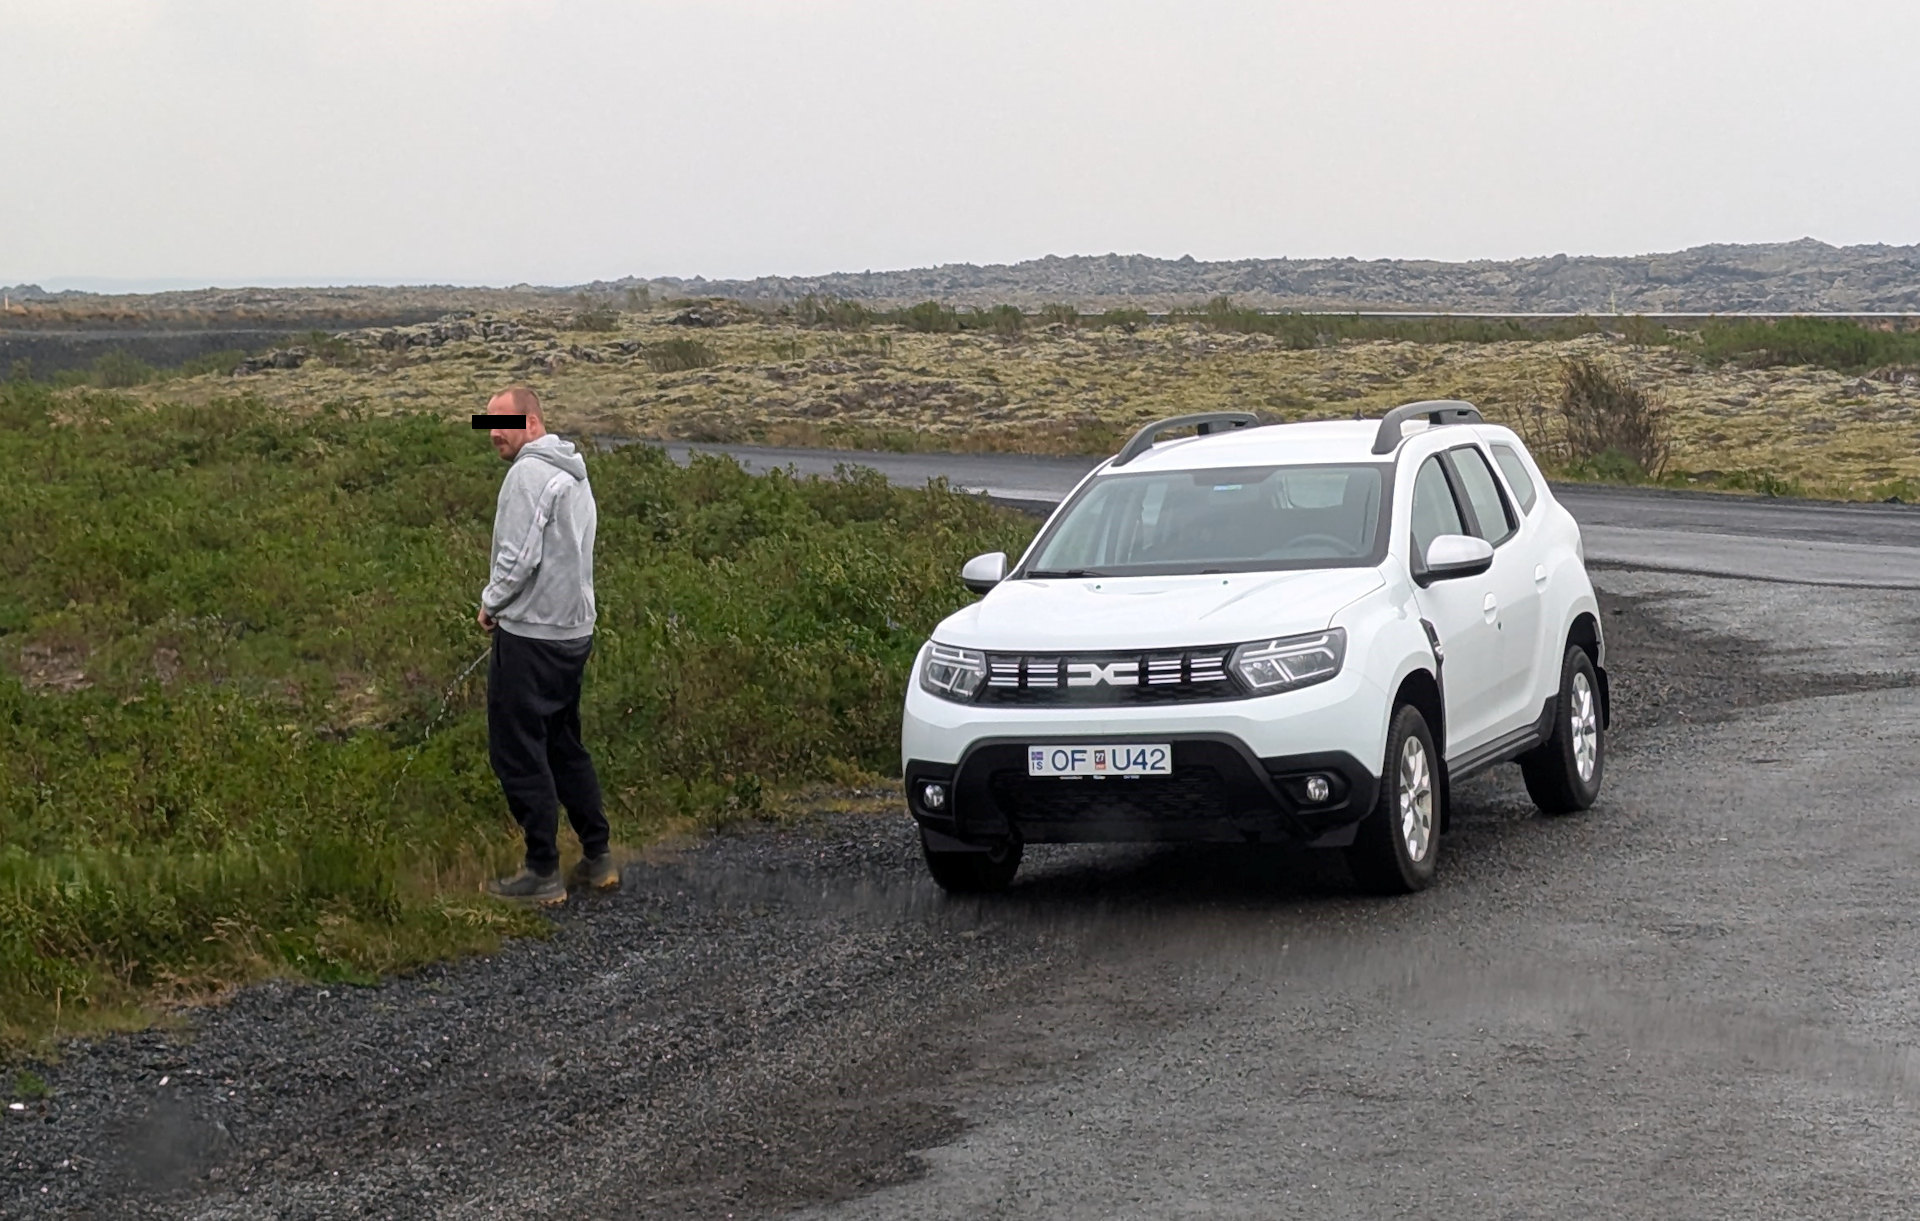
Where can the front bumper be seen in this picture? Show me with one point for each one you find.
(1219, 792)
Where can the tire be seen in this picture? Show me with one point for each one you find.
(1395, 850)
(972, 873)
(1563, 773)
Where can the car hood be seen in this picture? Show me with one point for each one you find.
(1095, 614)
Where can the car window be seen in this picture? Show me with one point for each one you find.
(1243, 519)
(1434, 510)
(1515, 469)
(1489, 507)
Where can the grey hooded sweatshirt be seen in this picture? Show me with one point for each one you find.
(541, 585)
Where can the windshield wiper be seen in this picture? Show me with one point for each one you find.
(1065, 572)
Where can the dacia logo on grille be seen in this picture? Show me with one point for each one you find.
(1092, 674)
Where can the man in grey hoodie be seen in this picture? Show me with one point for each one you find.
(538, 603)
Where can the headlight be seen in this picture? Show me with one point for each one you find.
(1268, 666)
(954, 674)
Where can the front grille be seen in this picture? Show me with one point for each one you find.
(1189, 793)
(1110, 678)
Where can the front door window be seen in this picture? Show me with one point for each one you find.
(1460, 614)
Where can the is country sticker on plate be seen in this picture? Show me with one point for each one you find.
(1154, 759)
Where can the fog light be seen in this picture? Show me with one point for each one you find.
(933, 796)
(1318, 789)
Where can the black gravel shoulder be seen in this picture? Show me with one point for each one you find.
(1664, 669)
(741, 1028)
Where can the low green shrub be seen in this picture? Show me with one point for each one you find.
(1005, 320)
(590, 314)
(225, 639)
(1607, 466)
(1828, 343)
(930, 317)
(1613, 428)
(832, 313)
(679, 354)
(221, 362)
(118, 370)
(1766, 483)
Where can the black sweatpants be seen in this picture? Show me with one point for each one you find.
(533, 737)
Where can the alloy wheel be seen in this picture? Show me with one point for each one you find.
(1584, 724)
(1416, 799)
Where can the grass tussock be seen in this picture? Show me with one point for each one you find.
(679, 354)
(595, 316)
(225, 640)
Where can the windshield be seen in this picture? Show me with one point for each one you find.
(1229, 520)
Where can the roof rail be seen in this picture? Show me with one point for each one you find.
(1437, 412)
(1206, 421)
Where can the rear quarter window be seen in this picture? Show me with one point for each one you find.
(1515, 469)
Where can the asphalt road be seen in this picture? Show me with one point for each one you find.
(1874, 546)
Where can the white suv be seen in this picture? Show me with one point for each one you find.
(1298, 632)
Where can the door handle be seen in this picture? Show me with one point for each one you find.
(1539, 574)
(1490, 607)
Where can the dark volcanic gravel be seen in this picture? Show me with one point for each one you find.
(1663, 671)
(769, 1021)
(750, 1023)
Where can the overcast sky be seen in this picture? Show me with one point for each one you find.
(161, 143)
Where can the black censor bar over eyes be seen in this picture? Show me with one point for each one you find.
(499, 421)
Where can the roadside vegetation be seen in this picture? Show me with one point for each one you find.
(1611, 429)
(226, 632)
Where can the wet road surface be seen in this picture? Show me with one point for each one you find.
(1767, 538)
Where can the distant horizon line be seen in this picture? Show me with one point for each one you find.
(149, 285)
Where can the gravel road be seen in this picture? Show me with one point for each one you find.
(1697, 999)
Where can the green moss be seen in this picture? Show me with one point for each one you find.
(818, 377)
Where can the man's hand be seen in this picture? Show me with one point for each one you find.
(486, 620)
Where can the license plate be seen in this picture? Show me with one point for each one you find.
(1150, 760)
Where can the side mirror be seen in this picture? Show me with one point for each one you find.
(1456, 555)
(983, 572)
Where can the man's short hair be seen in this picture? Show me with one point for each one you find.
(525, 401)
